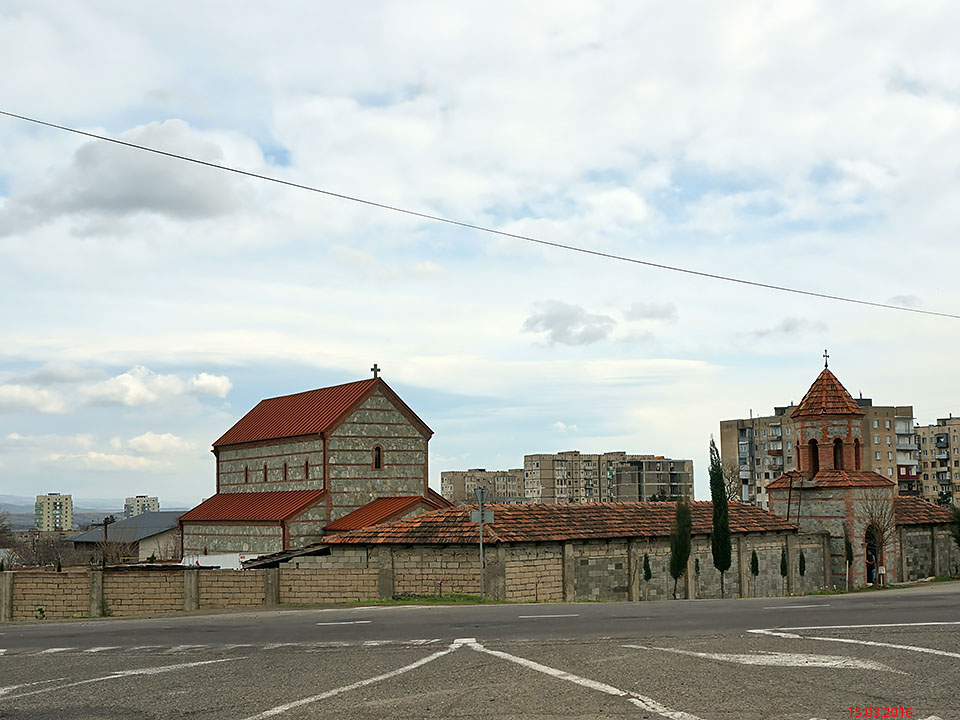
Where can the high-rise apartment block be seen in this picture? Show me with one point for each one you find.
(53, 511)
(760, 449)
(939, 447)
(504, 486)
(573, 477)
(140, 504)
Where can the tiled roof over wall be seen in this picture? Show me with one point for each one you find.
(545, 523)
(831, 478)
(917, 511)
(827, 396)
(374, 513)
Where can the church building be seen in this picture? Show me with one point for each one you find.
(296, 464)
(893, 539)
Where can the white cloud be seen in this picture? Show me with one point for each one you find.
(568, 324)
(94, 460)
(23, 397)
(152, 443)
(210, 385)
(562, 427)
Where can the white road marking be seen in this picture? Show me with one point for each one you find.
(51, 651)
(549, 616)
(875, 625)
(421, 642)
(102, 648)
(121, 674)
(794, 607)
(3, 651)
(274, 646)
(10, 688)
(871, 643)
(181, 648)
(348, 622)
(353, 686)
(640, 701)
(780, 659)
(146, 647)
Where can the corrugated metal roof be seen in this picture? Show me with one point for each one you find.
(262, 506)
(133, 529)
(374, 513)
(306, 413)
(827, 396)
(545, 523)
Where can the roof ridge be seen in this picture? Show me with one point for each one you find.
(325, 387)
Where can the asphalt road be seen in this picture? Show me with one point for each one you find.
(803, 658)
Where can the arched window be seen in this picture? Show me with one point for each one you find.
(264, 472)
(814, 455)
(856, 453)
(377, 457)
(246, 473)
(306, 469)
(284, 472)
(838, 454)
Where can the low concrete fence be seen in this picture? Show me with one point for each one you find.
(607, 570)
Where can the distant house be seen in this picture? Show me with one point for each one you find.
(152, 534)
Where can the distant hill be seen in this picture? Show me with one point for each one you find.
(86, 511)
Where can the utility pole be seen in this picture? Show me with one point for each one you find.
(479, 517)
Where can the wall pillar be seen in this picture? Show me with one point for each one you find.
(828, 561)
(6, 596)
(271, 586)
(191, 589)
(690, 577)
(495, 572)
(634, 570)
(933, 550)
(743, 567)
(383, 556)
(901, 541)
(569, 587)
(791, 564)
(97, 603)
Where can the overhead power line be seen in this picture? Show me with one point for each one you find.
(482, 228)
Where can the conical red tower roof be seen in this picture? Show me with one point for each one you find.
(827, 397)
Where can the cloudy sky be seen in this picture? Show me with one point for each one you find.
(147, 303)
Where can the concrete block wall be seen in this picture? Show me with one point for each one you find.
(600, 570)
(534, 573)
(436, 570)
(314, 585)
(142, 592)
(61, 595)
(231, 589)
(233, 537)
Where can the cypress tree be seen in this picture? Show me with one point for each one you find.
(720, 536)
(803, 564)
(848, 554)
(783, 564)
(646, 568)
(680, 540)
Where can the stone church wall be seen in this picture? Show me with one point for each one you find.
(928, 550)
(293, 464)
(353, 480)
(199, 539)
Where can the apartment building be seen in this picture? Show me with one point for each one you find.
(139, 504)
(53, 512)
(575, 477)
(504, 486)
(939, 451)
(762, 448)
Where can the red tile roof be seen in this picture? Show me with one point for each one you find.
(381, 509)
(253, 506)
(831, 478)
(827, 396)
(917, 511)
(306, 413)
(544, 523)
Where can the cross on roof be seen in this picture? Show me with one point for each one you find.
(375, 370)
(826, 359)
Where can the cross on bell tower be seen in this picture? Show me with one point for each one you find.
(826, 359)
(375, 370)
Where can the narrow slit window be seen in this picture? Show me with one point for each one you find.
(377, 457)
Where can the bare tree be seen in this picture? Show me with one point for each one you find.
(880, 522)
(114, 552)
(6, 534)
(731, 481)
